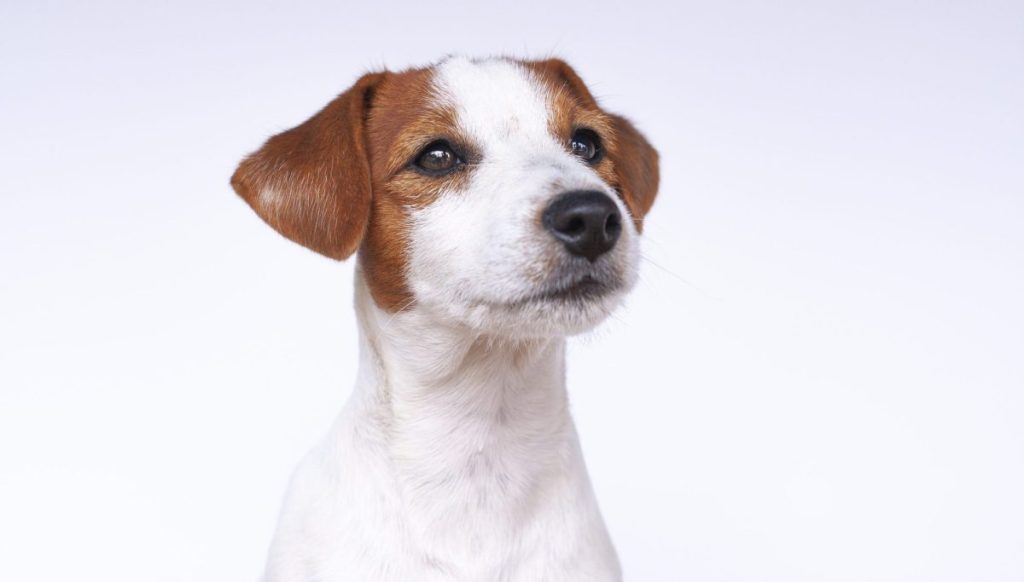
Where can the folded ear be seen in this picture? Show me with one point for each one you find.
(312, 182)
(635, 160)
(636, 163)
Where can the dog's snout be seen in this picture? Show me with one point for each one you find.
(587, 222)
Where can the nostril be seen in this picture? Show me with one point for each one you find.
(575, 226)
(613, 224)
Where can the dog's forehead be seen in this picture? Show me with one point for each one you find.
(493, 99)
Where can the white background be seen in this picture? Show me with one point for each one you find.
(819, 378)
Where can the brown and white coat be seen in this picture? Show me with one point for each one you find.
(456, 457)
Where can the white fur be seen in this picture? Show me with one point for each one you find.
(456, 457)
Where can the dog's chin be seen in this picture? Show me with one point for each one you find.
(575, 309)
(569, 308)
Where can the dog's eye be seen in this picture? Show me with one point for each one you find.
(586, 145)
(437, 159)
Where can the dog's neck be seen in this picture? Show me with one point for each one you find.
(474, 428)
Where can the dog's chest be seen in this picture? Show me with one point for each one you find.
(374, 528)
(460, 466)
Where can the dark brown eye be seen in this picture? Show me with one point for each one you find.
(586, 145)
(437, 159)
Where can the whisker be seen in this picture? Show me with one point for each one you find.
(679, 278)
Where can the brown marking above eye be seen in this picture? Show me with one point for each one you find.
(629, 164)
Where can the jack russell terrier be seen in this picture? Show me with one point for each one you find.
(496, 209)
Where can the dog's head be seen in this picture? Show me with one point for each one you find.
(494, 194)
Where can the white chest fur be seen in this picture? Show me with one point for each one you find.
(455, 459)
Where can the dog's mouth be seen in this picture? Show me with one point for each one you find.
(586, 288)
(583, 289)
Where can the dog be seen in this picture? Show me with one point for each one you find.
(496, 209)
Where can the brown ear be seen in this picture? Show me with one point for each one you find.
(636, 163)
(635, 160)
(312, 182)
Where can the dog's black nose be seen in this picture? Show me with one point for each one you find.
(587, 222)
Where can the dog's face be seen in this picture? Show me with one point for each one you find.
(491, 194)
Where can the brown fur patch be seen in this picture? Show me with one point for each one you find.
(312, 182)
(403, 119)
(341, 180)
(630, 164)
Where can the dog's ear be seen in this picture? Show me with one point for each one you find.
(635, 160)
(312, 182)
(636, 163)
